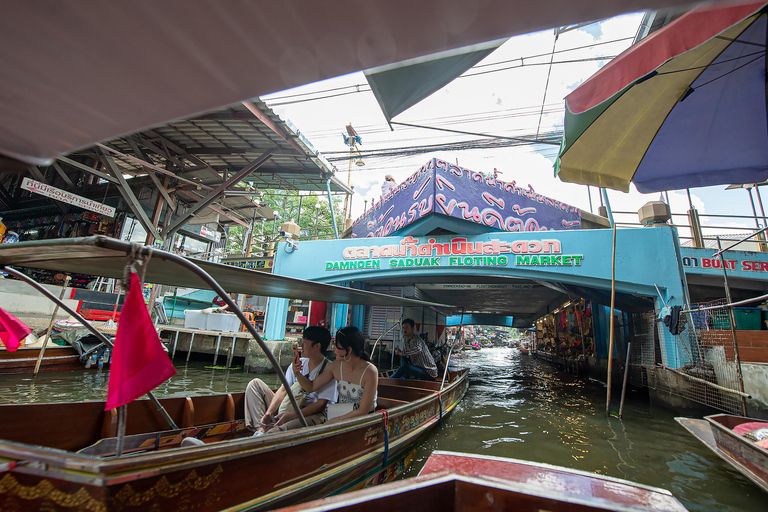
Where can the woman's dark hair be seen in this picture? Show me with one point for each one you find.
(351, 338)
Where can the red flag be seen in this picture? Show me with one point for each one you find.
(139, 363)
(12, 330)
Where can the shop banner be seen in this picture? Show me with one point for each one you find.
(66, 197)
(443, 188)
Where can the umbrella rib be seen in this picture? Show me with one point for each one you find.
(760, 53)
(729, 72)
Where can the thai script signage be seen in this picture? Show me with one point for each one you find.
(442, 188)
(66, 197)
(458, 252)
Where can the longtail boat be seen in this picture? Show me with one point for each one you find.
(717, 434)
(62, 456)
(463, 482)
(77, 456)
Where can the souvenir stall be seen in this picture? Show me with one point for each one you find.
(568, 332)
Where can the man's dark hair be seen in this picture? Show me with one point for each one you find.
(410, 322)
(317, 334)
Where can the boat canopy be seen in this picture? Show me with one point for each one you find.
(106, 257)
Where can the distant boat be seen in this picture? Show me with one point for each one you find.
(24, 359)
(457, 481)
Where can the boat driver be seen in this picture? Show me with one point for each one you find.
(418, 362)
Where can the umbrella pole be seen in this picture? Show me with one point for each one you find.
(608, 208)
(610, 335)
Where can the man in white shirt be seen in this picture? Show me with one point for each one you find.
(261, 404)
(388, 186)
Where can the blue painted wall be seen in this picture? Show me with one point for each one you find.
(479, 319)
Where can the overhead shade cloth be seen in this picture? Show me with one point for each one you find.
(102, 256)
(77, 73)
(399, 87)
(684, 108)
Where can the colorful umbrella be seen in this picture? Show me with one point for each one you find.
(683, 108)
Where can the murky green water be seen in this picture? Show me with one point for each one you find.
(516, 407)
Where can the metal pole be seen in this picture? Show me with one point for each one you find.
(610, 336)
(191, 339)
(732, 317)
(122, 417)
(589, 194)
(330, 205)
(754, 210)
(175, 342)
(216, 354)
(231, 351)
(447, 362)
(624, 385)
(173, 309)
(760, 202)
(581, 328)
(37, 286)
(50, 327)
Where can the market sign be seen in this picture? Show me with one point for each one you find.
(66, 197)
(458, 252)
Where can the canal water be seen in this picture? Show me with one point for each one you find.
(516, 407)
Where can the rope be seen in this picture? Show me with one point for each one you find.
(386, 437)
(133, 256)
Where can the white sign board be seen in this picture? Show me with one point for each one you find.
(66, 197)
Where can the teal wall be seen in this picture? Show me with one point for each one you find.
(644, 257)
(479, 319)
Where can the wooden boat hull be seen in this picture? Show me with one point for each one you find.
(237, 474)
(459, 482)
(24, 360)
(716, 433)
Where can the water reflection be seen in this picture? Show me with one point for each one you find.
(84, 385)
(517, 407)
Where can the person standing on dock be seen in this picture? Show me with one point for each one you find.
(418, 363)
(263, 409)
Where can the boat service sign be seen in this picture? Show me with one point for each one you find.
(457, 252)
(66, 197)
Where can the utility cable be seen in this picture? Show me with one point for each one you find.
(463, 132)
